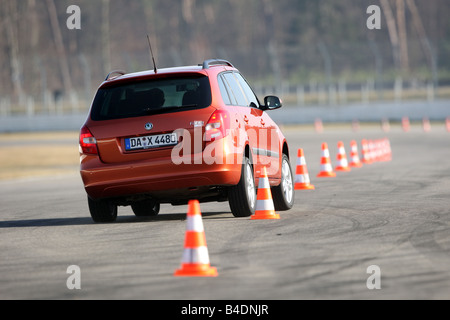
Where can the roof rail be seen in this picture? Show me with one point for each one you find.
(216, 62)
(118, 72)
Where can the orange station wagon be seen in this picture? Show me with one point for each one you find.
(176, 134)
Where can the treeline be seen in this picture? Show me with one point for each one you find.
(269, 40)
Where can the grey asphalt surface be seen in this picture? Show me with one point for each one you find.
(395, 215)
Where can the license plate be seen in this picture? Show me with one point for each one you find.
(149, 142)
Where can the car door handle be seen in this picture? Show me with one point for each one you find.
(246, 119)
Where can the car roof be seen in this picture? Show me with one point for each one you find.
(205, 68)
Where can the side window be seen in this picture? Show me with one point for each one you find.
(251, 97)
(236, 91)
(224, 91)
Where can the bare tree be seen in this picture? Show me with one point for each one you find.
(60, 49)
(392, 30)
(106, 42)
(10, 17)
(426, 45)
(269, 17)
(403, 38)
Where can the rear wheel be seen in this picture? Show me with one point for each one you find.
(146, 208)
(283, 194)
(102, 210)
(242, 197)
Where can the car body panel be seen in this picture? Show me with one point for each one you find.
(206, 168)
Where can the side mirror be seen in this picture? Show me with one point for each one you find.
(272, 103)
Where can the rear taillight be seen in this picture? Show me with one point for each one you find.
(88, 143)
(218, 126)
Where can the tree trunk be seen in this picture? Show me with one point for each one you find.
(60, 49)
(106, 43)
(403, 38)
(13, 48)
(426, 45)
(392, 30)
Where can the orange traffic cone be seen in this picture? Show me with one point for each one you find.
(372, 151)
(355, 125)
(405, 124)
(385, 126)
(264, 202)
(354, 155)
(386, 152)
(447, 124)
(318, 125)
(426, 125)
(326, 170)
(302, 180)
(195, 261)
(388, 149)
(342, 163)
(374, 146)
(365, 152)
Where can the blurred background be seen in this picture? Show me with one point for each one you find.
(310, 52)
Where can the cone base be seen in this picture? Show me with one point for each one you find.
(303, 186)
(356, 165)
(265, 215)
(196, 270)
(326, 174)
(342, 169)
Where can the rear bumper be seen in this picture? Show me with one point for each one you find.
(153, 177)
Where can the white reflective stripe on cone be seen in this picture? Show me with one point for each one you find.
(264, 205)
(343, 162)
(302, 178)
(326, 167)
(196, 256)
(263, 183)
(195, 223)
(301, 161)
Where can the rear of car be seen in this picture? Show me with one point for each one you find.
(164, 137)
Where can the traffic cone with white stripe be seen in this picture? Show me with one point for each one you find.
(386, 152)
(366, 158)
(326, 170)
(342, 162)
(405, 124)
(318, 125)
(354, 155)
(195, 261)
(385, 126)
(426, 124)
(264, 203)
(302, 181)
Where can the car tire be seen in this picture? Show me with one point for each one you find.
(283, 194)
(102, 210)
(242, 197)
(146, 208)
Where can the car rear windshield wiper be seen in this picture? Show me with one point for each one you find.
(169, 108)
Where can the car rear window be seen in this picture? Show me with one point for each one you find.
(151, 97)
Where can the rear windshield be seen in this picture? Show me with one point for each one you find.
(151, 97)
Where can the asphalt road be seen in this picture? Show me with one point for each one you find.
(395, 215)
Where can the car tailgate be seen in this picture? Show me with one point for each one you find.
(113, 135)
